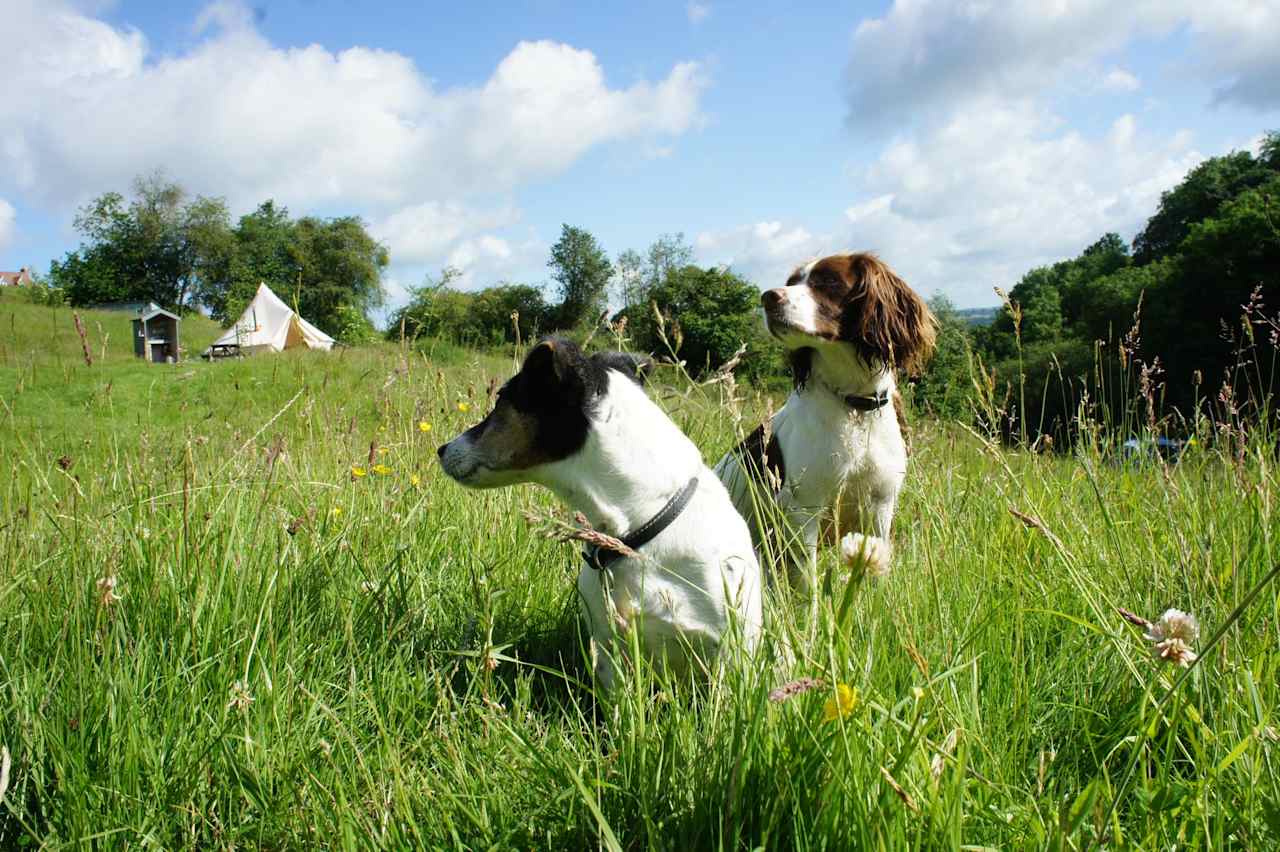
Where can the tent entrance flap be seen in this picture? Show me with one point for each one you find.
(295, 336)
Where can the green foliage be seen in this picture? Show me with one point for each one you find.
(1175, 307)
(340, 264)
(264, 252)
(944, 390)
(708, 314)
(159, 247)
(638, 275)
(353, 327)
(483, 318)
(582, 270)
(164, 248)
(1198, 197)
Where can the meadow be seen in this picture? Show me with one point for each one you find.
(242, 607)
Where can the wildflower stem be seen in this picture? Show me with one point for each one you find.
(1208, 646)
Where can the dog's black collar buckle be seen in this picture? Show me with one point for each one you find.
(600, 558)
(876, 401)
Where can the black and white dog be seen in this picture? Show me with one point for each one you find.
(583, 427)
(835, 456)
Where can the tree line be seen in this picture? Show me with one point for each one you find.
(662, 303)
(1133, 334)
(179, 251)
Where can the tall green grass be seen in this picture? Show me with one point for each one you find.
(293, 655)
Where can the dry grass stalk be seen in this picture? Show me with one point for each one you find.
(1032, 522)
(725, 371)
(84, 340)
(901, 793)
(551, 526)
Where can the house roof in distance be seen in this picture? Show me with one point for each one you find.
(15, 279)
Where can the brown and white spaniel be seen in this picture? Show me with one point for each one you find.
(830, 464)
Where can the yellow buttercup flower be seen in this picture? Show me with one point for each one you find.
(382, 451)
(841, 703)
(464, 407)
(380, 469)
(358, 471)
(415, 480)
(337, 510)
(424, 426)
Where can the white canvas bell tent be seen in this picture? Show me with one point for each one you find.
(269, 325)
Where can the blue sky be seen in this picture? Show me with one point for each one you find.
(965, 141)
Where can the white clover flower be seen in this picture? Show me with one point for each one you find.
(107, 592)
(865, 554)
(240, 697)
(1173, 636)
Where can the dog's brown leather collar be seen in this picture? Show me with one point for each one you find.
(600, 558)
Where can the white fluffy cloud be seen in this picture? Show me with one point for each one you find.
(979, 175)
(423, 233)
(978, 201)
(926, 56)
(697, 12)
(765, 252)
(241, 117)
(7, 218)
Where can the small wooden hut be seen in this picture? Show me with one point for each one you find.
(155, 334)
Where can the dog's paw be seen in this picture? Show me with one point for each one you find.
(867, 555)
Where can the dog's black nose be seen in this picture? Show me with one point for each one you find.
(773, 298)
(440, 450)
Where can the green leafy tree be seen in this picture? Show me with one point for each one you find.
(482, 318)
(339, 264)
(636, 275)
(708, 313)
(160, 247)
(262, 253)
(582, 269)
(1196, 198)
(945, 387)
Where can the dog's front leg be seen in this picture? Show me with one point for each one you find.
(803, 566)
(599, 613)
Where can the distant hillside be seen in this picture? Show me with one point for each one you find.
(978, 316)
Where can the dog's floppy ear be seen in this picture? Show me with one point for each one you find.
(635, 367)
(893, 324)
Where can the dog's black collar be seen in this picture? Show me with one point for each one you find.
(600, 558)
(867, 403)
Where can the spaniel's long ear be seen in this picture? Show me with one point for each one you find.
(891, 323)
